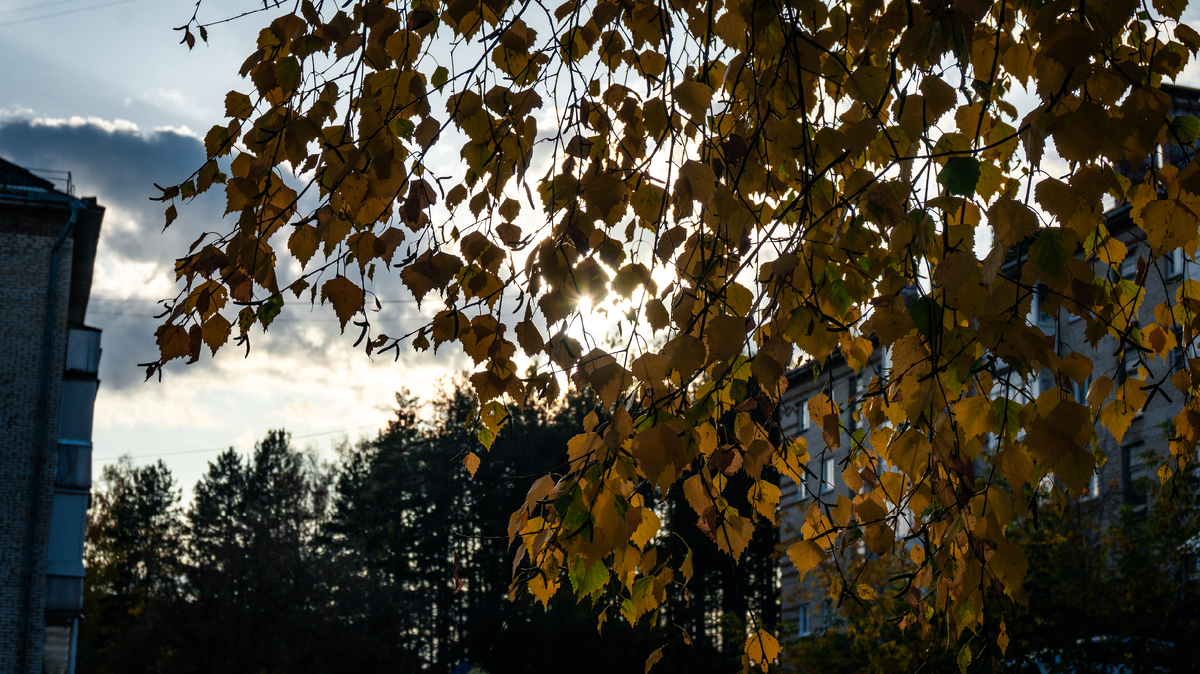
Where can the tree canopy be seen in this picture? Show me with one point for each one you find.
(733, 184)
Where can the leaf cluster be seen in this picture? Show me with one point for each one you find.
(734, 182)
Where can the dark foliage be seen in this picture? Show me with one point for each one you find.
(394, 559)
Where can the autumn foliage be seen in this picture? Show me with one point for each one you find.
(737, 184)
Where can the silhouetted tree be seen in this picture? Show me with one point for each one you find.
(132, 558)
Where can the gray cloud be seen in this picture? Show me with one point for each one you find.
(119, 165)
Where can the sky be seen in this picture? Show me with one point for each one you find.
(103, 89)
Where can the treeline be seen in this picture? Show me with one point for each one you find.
(391, 558)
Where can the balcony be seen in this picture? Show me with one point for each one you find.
(83, 351)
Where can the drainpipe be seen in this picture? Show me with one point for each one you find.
(39, 453)
(74, 642)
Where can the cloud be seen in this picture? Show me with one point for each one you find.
(119, 164)
(302, 374)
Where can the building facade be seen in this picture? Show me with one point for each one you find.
(1127, 463)
(48, 384)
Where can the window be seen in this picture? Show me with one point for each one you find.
(802, 620)
(1129, 364)
(1175, 263)
(1081, 390)
(805, 421)
(1133, 468)
(802, 488)
(1093, 486)
(856, 389)
(827, 614)
(1129, 267)
(1044, 382)
(1042, 319)
(828, 466)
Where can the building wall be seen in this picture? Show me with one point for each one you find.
(838, 381)
(1116, 478)
(26, 237)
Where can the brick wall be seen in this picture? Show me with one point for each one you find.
(26, 237)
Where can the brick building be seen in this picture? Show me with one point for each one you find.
(805, 606)
(48, 386)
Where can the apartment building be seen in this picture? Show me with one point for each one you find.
(48, 384)
(805, 605)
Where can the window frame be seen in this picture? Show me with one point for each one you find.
(828, 470)
(1131, 261)
(1130, 452)
(1176, 263)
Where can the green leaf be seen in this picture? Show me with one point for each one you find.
(838, 294)
(588, 579)
(926, 315)
(1008, 418)
(268, 310)
(403, 128)
(1185, 129)
(440, 76)
(964, 658)
(1051, 252)
(287, 73)
(486, 438)
(960, 175)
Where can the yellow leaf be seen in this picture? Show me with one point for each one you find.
(471, 462)
(733, 534)
(648, 529)
(975, 416)
(1012, 221)
(215, 332)
(1118, 414)
(658, 451)
(696, 492)
(762, 648)
(805, 555)
(1076, 366)
(657, 315)
(543, 590)
(868, 84)
(694, 98)
(653, 659)
(347, 298)
(172, 341)
(696, 182)
(765, 497)
(826, 415)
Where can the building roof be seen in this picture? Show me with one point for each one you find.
(12, 175)
(32, 205)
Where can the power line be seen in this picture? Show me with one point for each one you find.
(107, 299)
(64, 13)
(156, 301)
(224, 447)
(40, 5)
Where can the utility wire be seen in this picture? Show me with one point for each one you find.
(130, 299)
(39, 5)
(225, 447)
(65, 12)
